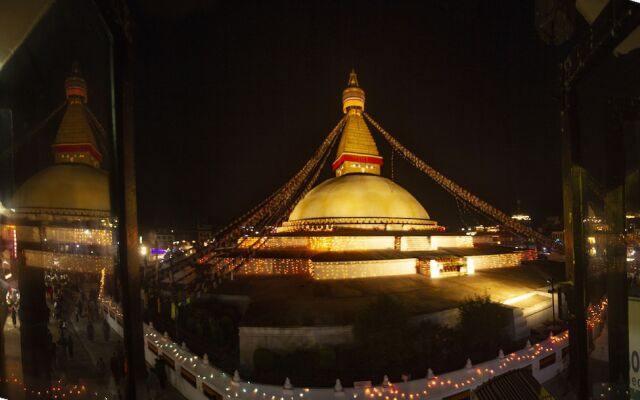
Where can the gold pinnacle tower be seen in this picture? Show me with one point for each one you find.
(357, 151)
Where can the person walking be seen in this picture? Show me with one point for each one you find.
(120, 357)
(53, 353)
(14, 316)
(62, 342)
(101, 367)
(62, 327)
(90, 331)
(115, 368)
(161, 372)
(153, 386)
(70, 346)
(106, 330)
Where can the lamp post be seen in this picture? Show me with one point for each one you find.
(553, 301)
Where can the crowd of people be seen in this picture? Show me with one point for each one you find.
(73, 306)
(71, 303)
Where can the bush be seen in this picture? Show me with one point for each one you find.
(264, 359)
(482, 325)
(381, 334)
(324, 359)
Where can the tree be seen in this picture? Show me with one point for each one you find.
(482, 324)
(380, 331)
(264, 359)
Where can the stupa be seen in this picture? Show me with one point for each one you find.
(349, 240)
(361, 224)
(61, 216)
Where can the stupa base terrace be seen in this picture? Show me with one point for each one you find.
(284, 313)
(370, 254)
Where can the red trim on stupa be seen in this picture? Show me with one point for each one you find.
(69, 148)
(76, 91)
(354, 157)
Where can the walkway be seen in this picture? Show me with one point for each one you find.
(79, 368)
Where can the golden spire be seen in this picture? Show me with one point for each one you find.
(75, 141)
(353, 79)
(357, 151)
(75, 86)
(353, 96)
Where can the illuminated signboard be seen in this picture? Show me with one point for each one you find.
(157, 252)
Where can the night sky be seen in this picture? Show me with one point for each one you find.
(233, 97)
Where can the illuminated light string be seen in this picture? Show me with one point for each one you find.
(275, 200)
(433, 386)
(595, 313)
(436, 383)
(456, 190)
(68, 261)
(101, 237)
(272, 266)
(273, 207)
(57, 391)
(103, 274)
(269, 206)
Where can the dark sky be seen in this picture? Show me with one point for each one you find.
(234, 97)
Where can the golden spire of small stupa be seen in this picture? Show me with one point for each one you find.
(75, 141)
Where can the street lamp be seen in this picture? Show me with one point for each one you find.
(553, 301)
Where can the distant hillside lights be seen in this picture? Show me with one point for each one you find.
(521, 217)
(473, 230)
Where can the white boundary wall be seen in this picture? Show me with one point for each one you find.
(193, 377)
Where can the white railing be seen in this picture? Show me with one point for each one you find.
(197, 379)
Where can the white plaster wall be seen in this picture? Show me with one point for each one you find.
(287, 338)
(435, 388)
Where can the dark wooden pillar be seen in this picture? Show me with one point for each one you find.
(123, 193)
(573, 184)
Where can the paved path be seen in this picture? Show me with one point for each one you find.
(12, 366)
(81, 367)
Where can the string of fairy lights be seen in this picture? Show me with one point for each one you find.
(276, 266)
(273, 202)
(68, 261)
(596, 313)
(59, 390)
(228, 235)
(434, 385)
(457, 190)
(271, 212)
